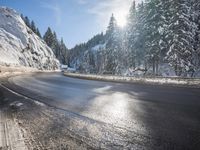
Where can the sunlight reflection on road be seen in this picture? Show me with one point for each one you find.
(115, 108)
(101, 103)
(112, 105)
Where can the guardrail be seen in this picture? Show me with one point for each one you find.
(176, 81)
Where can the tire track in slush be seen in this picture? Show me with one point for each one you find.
(4, 142)
(10, 134)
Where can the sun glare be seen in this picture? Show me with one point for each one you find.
(122, 18)
(121, 22)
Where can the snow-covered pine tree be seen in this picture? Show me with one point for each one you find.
(181, 37)
(166, 16)
(138, 37)
(153, 29)
(64, 52)
(131, 37)
(31, 25)
(48, 37)
(196, 18)
(112, 46)
(56, 46)
(198, 33)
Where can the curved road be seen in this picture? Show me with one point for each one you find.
(169, 117)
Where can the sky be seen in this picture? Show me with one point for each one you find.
(75, 20)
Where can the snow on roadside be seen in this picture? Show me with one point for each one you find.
(6, 71)
(16, 104)
(157, 80)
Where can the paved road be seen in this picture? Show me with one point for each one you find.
(167, 117)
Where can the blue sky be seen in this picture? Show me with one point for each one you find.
(74, 20)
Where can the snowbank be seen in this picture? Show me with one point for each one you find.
(189, 82)
(19, 46)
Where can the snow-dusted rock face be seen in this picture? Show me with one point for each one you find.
(19, 46)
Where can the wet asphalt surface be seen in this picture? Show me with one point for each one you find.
(165, 116)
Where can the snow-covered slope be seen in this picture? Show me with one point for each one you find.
(19, 46)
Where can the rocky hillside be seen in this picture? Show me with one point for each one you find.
(19, 46)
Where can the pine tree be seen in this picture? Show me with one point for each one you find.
(27, 21)
(112, 46)
(154, 26)
(198, 35)
(49, 37)
(38, 33)
(55, 46)
(64, 52)
(131, 37)
(33, 28)
(140, 36)
(181, 37)
(31, 25)
(135, 35)
(196, 18)
(22, 17)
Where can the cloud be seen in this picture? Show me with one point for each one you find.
(55, 9)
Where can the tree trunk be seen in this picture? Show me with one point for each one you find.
(153, 66)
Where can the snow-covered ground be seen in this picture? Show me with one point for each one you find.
(19, 46)
(98, 47)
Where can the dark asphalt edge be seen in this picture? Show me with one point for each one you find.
(23, 96)
(140, 81)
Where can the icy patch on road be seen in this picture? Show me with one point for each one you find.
(102, 90)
